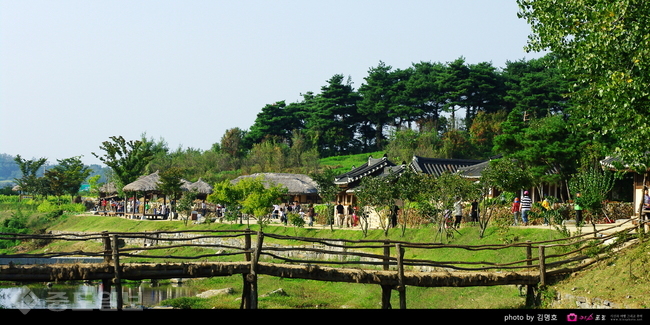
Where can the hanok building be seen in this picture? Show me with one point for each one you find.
(347, 182)
(378, 167)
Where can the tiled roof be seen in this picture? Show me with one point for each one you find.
(473, 171)
(437, 166)
(373, 167)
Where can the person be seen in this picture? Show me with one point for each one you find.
(577, 206)
(646, 205)
(526, 204)
(310, 214)
(340, 210)
(474, 211)
(547, 206)
(355, 218)
(393, 216)
(516, 208)
(276, 212)
(458, 212)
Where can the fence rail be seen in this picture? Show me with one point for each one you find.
(229, 252)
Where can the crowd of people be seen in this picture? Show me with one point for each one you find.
(345, 216)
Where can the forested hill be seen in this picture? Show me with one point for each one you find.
(9, 170)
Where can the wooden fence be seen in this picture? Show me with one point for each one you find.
(391, 264)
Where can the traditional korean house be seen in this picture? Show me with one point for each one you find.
(382, 166)
(350, 180)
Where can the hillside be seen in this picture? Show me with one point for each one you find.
(620, 282)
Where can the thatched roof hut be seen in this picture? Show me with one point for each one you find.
(146, 183)
(200, 186)
(108, 188)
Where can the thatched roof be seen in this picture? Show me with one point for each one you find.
(108, 188)
(200, 187)
(144, 184)
(16, 188)
(296, 184)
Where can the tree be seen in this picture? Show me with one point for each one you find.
(249, 196)
(485, 127)
(605, 47)
(67, 176)
(127, 159)
(537, 87)
(232, 142)
(276, 121)
(30, 182)
(377, 99)
(171, 182)
(327, 190)
(547, 147)
(379, 194)
(593, 184)
(186, 205)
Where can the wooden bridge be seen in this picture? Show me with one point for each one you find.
(389, 264)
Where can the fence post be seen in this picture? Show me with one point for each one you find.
(401, 288)
(251, 278)
(530, 289)
(106, 283)
(118, 276)
(107, 247)
(386, 289)
(246, 289)
(542, 267)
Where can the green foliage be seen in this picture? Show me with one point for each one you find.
(249, 196)
(30, 182)
(593, 184)
(16, 224)
(67, 176)
(171, 180)
(48, 206)
(296, 220)
(605, 46)
(186, 303)
(127, 159)
(186, 205)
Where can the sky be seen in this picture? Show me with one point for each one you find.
(75, 73)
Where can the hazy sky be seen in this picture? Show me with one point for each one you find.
(74, 73)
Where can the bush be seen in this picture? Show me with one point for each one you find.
(185, 303)
(296, 220)
(47, 207)
(16, 224)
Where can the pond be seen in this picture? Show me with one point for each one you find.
(88, 295)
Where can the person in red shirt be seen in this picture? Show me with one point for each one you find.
(516, 210)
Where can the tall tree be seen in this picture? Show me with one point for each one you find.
(605, 46)
(536, 86)
(127, 159)
(454, 83)
(29, 182)
(377, 100)
(331, 121)
(67, 176)
(277, 121)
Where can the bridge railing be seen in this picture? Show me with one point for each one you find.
(146, 246)
(548, 258)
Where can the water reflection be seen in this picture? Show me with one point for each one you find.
(87, 296)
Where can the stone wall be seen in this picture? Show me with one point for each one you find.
(565, 300)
